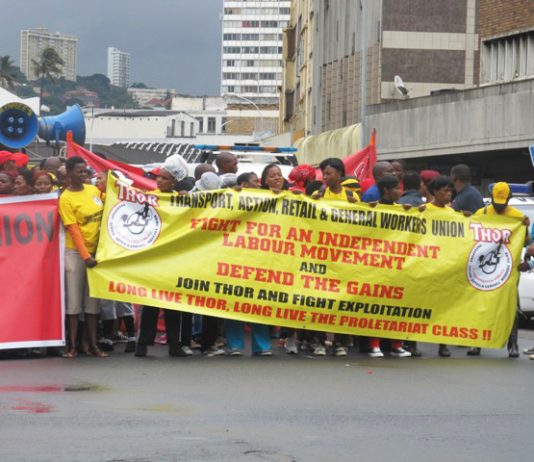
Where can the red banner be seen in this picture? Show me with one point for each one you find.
(31, 269)
(99, 164)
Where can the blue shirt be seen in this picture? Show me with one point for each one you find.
(371, 195)
(468, 199)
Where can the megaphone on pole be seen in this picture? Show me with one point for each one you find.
(56, 127)
(18, 119)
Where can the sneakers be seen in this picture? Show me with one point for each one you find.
(341, 351)
(400, 353)
(319, 351)
(214, 351)
(234, 352)
(475, 351)
(119, 338)
(444, 352)
(130, 345)
(291, 346)
(376, 353)
(188, 351)
(264, 353)
(528, 351)
(531, 357)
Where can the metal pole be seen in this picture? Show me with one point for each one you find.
(363, 71)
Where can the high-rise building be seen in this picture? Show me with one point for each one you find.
(118, 67)
(252, 48)
(252, 64)
(34, 41)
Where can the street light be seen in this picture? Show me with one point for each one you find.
(92, 107)
(235, 95)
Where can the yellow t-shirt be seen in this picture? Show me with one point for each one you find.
(430, 205)
(83, 208)
(508, 212)
(341, 196)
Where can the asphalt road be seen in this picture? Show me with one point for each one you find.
(276, 408)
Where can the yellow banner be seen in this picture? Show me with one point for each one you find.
(286, 260)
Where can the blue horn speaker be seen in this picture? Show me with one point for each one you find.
(18, 125)
(56, 127)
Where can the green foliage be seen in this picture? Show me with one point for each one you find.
(25, 91)
(7, 72)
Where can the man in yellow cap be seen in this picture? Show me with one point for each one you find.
(500, 195)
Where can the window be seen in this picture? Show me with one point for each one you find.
(507, 58)
(249, 76)
(211, 124)
(200, 124)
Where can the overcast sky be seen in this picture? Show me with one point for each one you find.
(173, 43)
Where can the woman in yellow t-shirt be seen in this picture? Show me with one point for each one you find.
(333, 171)
(441, 189)
(80, 208)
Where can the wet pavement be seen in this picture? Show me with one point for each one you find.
(280, 408)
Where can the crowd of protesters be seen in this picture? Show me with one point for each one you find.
(94, 326)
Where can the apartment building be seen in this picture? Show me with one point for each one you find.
(34, 41)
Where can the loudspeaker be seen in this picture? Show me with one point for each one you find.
(18, 120)
(56, 127)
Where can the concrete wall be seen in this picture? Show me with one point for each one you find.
(491, 118)
(134, 128)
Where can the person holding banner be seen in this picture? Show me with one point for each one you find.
(178, 324)
(23, 184)
(500, 195)
(390, 192)
(80, 208)
(6, 184)
(333, 171)
(43, 182)
(235, 330)
(441, 189)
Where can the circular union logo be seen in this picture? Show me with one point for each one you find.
(489, 265)
(134, 226)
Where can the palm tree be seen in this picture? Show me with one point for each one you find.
(48, 67)
(7, 72)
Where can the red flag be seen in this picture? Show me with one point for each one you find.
(135, 174)
(361, 163)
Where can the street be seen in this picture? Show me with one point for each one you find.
(280, 408)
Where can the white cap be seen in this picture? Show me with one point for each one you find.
(176, 166)
(228, 180)
(208, 181)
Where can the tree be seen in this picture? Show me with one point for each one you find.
(48, 67)
(138, 85)
(7, 72)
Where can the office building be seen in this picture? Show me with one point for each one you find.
(118, 67)
(431, 45)
(34, 41)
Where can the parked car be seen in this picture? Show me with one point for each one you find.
(526, 279)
